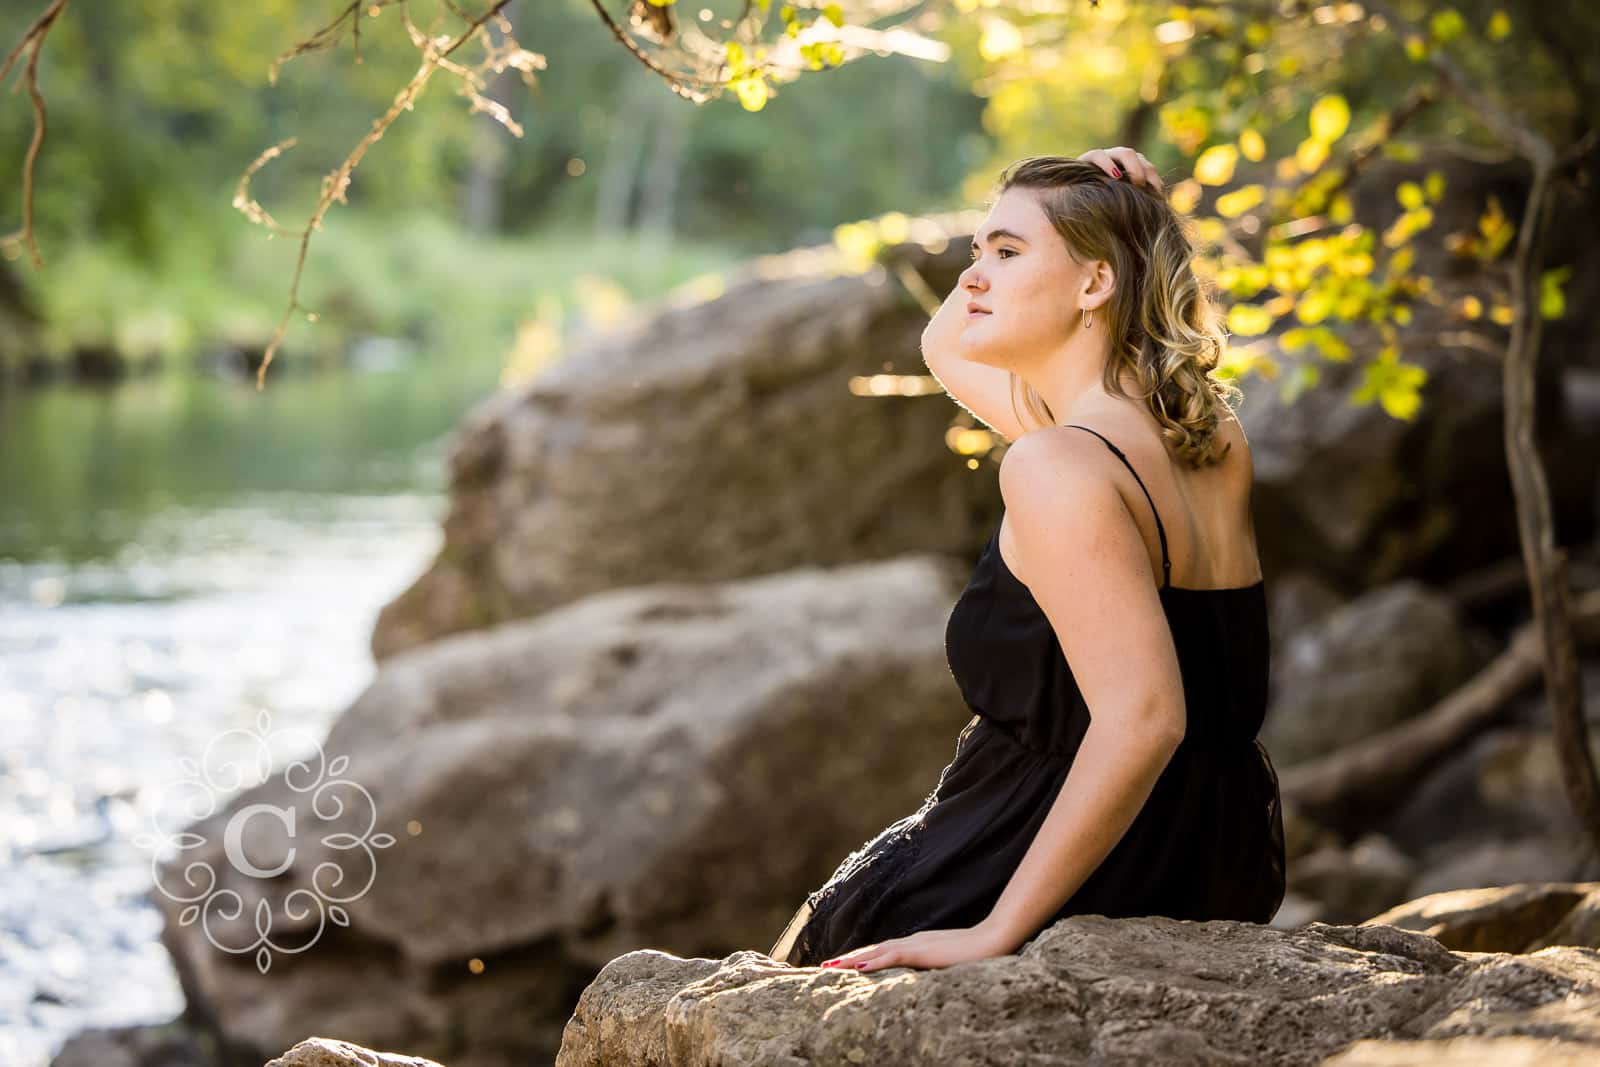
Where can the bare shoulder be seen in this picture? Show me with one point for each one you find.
(1239, 459)
(1045, 459)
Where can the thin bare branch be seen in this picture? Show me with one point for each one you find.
(676, 83)
(434, 53)
(32, 41)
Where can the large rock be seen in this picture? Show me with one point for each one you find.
(671, 766)
(1510, 918)
(1353, 883)
(1091, 990)
(1364, 667)
(711, 440)
(322, 1052)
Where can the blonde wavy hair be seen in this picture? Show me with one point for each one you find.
(1165, 327)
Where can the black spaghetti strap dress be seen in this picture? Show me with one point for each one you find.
(1208, 843)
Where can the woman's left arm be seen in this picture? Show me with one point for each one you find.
(1084, 560)
(1087, 566)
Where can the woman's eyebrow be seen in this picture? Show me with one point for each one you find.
(997, 233)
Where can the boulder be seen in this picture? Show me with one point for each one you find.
(1365, 666)
(325, 1052)
(1510, 918)
(710, 439)
(671, 766)
(1352, 883)
(1090, 989)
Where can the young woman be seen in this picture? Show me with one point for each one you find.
(1115, 660)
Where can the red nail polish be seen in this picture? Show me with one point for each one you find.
(1115, 173)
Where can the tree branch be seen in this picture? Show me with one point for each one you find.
(31, 41)
(335, 184)
(1346, 788)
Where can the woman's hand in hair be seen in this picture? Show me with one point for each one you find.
(1119, 161)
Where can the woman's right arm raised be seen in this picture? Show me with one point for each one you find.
(981, 389)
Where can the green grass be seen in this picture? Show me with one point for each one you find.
(222, 281)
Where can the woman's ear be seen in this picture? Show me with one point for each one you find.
(1102, 283)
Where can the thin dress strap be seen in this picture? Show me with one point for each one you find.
(1166, 564)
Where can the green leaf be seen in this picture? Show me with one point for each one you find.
(1394, 384)
(1446, 25)
(1305, 376)
(1552, 301)
(1331, 345)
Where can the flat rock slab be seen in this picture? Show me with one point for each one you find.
(1096, 990)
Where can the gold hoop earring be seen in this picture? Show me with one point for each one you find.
(1086, 314)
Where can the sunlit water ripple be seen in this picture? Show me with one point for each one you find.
(111, 672)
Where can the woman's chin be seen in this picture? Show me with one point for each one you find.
(975, 351)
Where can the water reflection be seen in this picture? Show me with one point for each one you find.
(174, 557)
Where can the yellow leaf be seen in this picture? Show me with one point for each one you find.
(1401, 402)
(1253, 146)
(1502, 314)
(1311, 154)
(999, 39)
(1499, 26)
(1231, 205)
(1216, 164)
(1184, 196)
(1340, 210)
(1330, 117)
(1410, 195)
(1470, 307)
(752, 92)
(1434, 184)
(1356, 264)
(1249, 320)
(1314, 307)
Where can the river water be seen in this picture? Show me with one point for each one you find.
(178, 555)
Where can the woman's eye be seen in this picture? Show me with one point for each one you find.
(999, 252)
